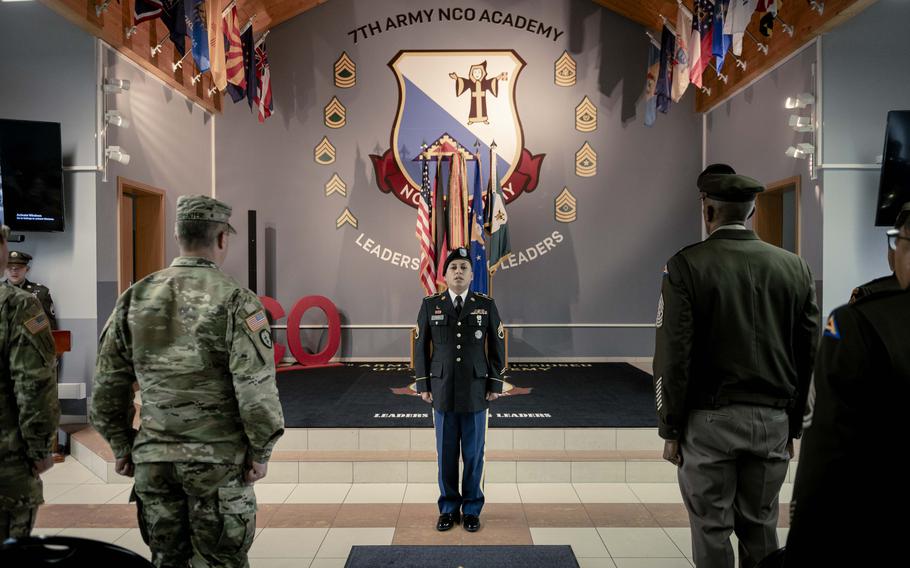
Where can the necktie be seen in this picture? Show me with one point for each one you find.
(458, 304)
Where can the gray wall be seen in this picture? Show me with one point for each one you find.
(632, 216)
(48, 66)
(750, 132)
(170, 146)
(864, 76)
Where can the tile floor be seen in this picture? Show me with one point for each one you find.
(615, 525)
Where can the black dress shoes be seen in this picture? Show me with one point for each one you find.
(447, 521)
(471, 523)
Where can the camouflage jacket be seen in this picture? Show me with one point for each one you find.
(29, 410)
(200, 347)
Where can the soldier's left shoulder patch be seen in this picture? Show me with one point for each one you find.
(37, 324)
(266, 337)
(256, 321)
(501, 331)
(831, 329)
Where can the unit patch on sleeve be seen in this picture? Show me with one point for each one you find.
(266, 337)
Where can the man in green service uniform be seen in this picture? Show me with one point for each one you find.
(846, 509)
(884, 283)
(29, 411)
(17, 268)
(737, 330)
(199, 345)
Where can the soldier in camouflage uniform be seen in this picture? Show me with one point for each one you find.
(199, 345)
(17, 269)
(29, 410)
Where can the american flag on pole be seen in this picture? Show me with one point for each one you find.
(702, 34)
(263, 100)
(427, 270)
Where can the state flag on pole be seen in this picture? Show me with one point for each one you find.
(213, 27)
(651, 85)
(738, 17)
(478, 252)
(665, 73)
(173, 15)
(263, 100)
(196, 30)
(233, 63)
(458, 203)
(145, 10)
(681, 65)
(702, 35)
(720, 43)
(500, 247)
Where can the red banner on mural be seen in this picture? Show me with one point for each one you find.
(390, 178)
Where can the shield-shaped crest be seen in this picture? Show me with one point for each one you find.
(468, 94)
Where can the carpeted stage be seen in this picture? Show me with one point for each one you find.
(450, 556)
(545, 395)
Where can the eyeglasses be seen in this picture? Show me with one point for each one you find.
(893, 238)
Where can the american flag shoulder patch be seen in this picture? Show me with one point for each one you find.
(37, 323)
(256, 321)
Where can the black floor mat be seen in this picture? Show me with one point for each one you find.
(545, 395)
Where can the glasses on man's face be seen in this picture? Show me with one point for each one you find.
(893, 237)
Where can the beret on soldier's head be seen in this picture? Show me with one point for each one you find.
(203, 208)
(729, 187)
(460, 253)
(19, 257)
(902, 216)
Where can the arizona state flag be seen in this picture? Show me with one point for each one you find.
(248, 88)
(233, 51)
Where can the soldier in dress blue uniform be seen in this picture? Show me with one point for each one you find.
(17, 269)
(459, 360)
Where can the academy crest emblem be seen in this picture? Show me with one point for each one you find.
(469, 96)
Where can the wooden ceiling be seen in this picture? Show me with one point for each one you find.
(270, 13)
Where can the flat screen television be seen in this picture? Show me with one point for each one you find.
(894, 184)
(31, 175)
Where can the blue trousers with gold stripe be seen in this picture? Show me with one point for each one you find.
(464, 430)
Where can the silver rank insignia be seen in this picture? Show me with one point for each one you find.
(479, 319)
(501, 331)
(478, 334)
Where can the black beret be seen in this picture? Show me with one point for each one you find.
(730, 187)
(460, 253)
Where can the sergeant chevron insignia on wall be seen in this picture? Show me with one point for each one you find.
(586, 116)
(586, 161)
(346, 217)
(565, 70)
(345, 72)
(324, 152)
(566, 206)
(335, 114)
(336, 185)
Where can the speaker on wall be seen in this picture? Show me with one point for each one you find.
(251, 252)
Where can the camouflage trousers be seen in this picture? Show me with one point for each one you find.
(20, 495)
(195, 514)
(17, 524)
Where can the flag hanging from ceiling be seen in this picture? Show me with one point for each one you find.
(234, 63)
(682, 61)
(145, 10)
(440, 221)
(196, 30)
(263, 100)
(424, 233)
(665, 72)
(478, 252)
(720, 43)
(213, 27)
(766, 23)
(651, 85)
(248, 88)
(702, 35)
(458, 203)
(738, 16)
(173, 15)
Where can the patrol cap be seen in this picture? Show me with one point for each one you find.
(715, 169)
(460, 253)
(729, 187)
(203, 208)
(902, 216)
(19, 257)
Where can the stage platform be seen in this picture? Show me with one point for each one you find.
(397, 455)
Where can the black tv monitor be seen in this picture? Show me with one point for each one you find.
(894, 185)
(31, 175)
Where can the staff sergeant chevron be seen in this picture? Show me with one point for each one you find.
(346, 217)
(566, 206)
(586, 116)
(565, 70)
(586, 161)
(324, 152)
(336, 185)
(335, 114)
(345, 72)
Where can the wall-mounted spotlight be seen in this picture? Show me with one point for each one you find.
(801, 123)
(801, 100)
(117, 154)
(801, 151)
(116, 85)
(113, 117)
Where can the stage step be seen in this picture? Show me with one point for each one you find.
(416, 463)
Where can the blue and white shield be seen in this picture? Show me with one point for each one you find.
(469, 95)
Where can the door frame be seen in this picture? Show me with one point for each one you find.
(778, 187)
(155, 197)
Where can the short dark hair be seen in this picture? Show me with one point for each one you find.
(731, 211)
(194, 234)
